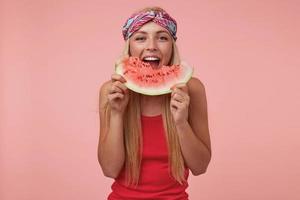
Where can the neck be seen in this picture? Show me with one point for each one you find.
(145, 99)
(151, 105)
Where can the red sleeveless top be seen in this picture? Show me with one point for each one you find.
(155, 183)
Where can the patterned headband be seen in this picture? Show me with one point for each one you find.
(136, 21)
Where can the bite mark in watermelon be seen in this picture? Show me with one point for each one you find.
(141, 77)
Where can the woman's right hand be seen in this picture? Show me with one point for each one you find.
(118, 94)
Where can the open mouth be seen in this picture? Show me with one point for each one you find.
(153, 61)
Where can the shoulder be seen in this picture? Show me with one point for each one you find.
(195, 87)
(105, 86)
(198, 100)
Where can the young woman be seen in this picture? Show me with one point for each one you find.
(148, 144)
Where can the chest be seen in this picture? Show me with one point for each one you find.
(154, 139)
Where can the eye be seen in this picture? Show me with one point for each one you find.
(140, 38)
(163, 38)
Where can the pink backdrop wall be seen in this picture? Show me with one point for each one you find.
(54, 55)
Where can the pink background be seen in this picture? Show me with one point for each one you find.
(56, 54)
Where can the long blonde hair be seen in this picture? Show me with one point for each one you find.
(133, 140)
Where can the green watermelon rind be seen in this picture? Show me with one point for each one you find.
(155, 91)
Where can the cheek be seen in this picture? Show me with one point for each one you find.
(166, 48)
(167, 51)
(134, 50)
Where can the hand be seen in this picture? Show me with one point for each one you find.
(118, 95)
(179, 104)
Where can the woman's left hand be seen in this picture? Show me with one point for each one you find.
(180, 101)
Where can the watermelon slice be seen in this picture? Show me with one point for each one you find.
(143, 78)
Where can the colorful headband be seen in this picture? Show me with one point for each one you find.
(136, 21)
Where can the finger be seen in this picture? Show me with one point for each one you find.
(114, 96)
(176, 104)
(183, 102)
(115, 89)
(181, 86)
(178, 97)
(120, 86)
(117, 77)
(180, 94)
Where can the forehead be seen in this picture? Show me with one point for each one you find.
(151, 28)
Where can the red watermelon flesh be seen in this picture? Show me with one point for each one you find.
(149, 79)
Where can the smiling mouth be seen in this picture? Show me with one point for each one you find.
(153, 63)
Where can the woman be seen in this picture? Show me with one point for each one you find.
(148, 144)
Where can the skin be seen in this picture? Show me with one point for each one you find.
(188, 108)
(151, 39)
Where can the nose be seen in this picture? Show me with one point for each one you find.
(151, 45)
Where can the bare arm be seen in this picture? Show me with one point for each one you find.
(194, 133)
(111, 152)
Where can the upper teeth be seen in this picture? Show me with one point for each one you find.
(151, 58)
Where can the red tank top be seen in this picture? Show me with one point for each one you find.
(155, 182)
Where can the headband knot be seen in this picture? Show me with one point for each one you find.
(136, 21)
